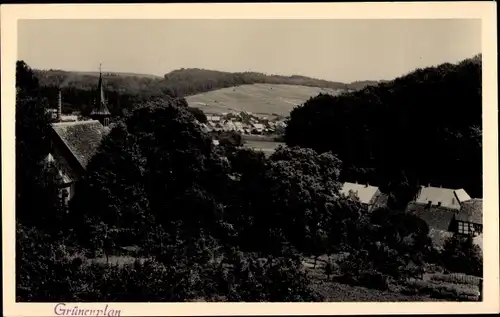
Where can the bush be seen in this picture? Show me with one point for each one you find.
(374, 279)
(461, 255)
(194, 272)
(369, 278)
(275, 279)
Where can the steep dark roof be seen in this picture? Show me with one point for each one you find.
(82, 138)
(438, 218)
(471, 211)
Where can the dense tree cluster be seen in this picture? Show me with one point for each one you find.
(219, 222)
(424, 127)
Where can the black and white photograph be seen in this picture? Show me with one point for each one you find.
(248, 160)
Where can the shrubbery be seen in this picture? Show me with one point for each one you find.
(441, 290)
(48, 273)
(460, 254)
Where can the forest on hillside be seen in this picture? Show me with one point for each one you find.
(164, 215)
(423, 127)
(123, 92)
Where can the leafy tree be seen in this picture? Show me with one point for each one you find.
(113, 189)
(421, 127)
(230, 138)
(198, 114)
(37, 201)
(248, 162)
(43, 267)
(284, 200)
(345, 225)
(155, 167)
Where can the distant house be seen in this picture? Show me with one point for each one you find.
(447, 211)
(230, 126)
(214, 119)
(438, 196)
(258, 127)
(368, 195)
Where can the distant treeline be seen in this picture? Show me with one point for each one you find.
(424, 127)
(123, 91)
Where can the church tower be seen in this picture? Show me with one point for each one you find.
(100, 111)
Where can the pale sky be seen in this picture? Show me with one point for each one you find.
(338, 50)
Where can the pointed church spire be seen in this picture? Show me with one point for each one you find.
(100, 111)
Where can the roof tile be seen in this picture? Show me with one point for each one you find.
(82, 138)
(438, 218)
(471, 211)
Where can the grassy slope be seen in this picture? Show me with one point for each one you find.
(256, 98)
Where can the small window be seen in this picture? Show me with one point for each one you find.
(463, 228)
(477, 228)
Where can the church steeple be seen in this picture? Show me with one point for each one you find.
(100, 111)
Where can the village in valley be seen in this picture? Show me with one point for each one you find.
(148, 196)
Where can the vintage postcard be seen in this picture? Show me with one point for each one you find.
(246, 159)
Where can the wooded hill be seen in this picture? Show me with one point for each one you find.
(124, 90)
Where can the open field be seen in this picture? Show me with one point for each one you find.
(264, 99)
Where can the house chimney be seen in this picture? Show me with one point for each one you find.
(59, 106)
